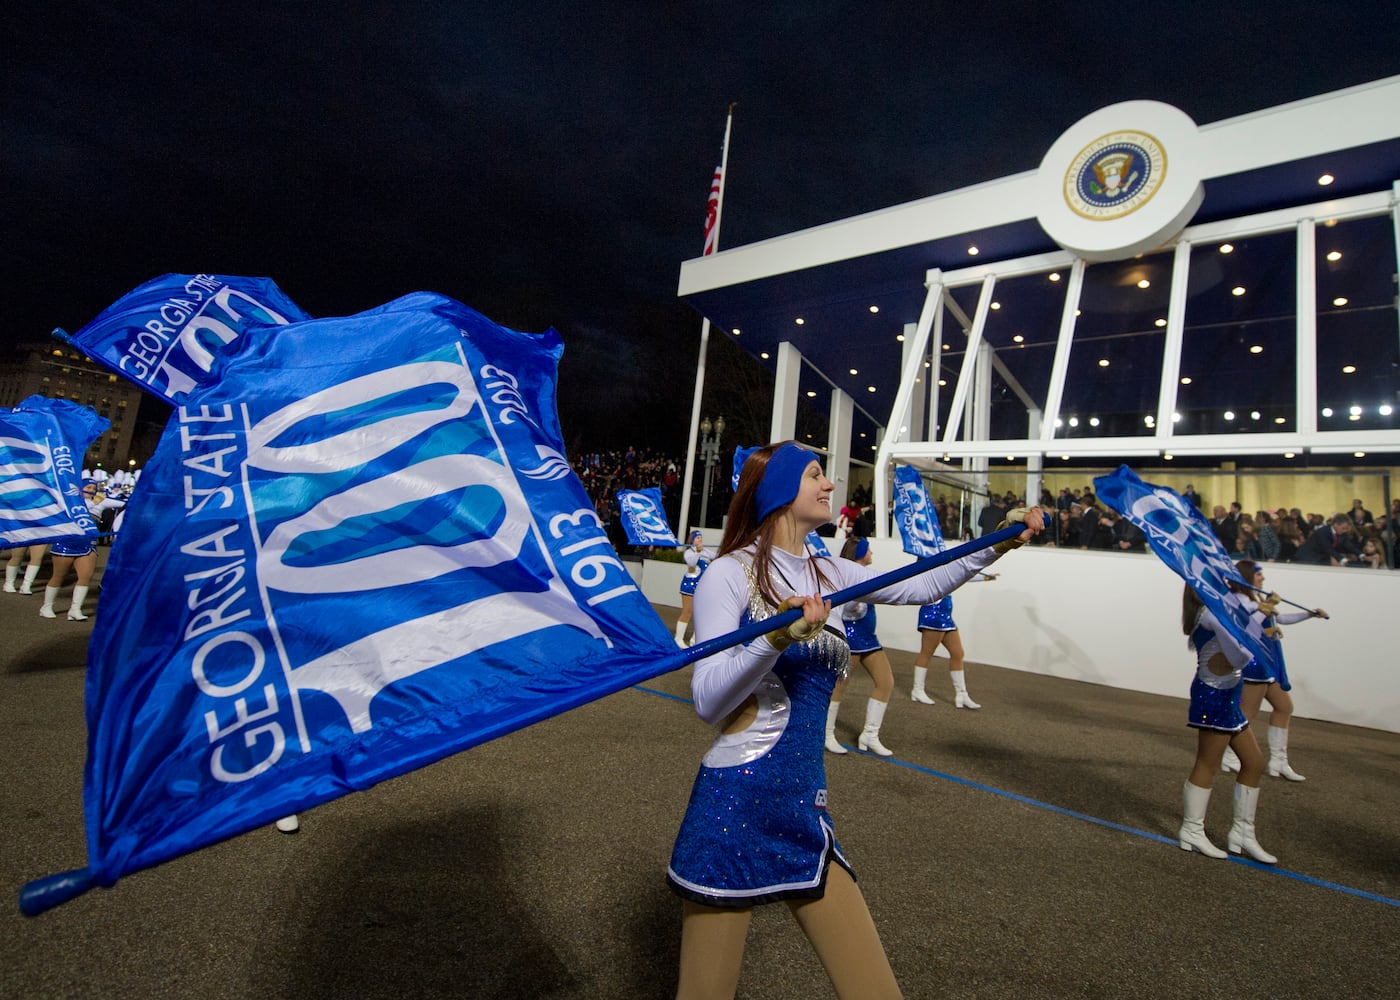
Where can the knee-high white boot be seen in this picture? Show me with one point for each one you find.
(1230, 761)
(11, 575)
(833, 745)
(870, 735)
(1192, 835)
(680, 633)
(75, 609)
(960, 698)
(1278, 756)
(917, 692)
(46, 611)
(30, 572)
(1241, 838)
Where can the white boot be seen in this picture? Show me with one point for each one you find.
(680, 633)
(75, 609)
(917, 692)
(11, 575)
(30, 572)
(960, 698)
(1278, 756)
(47, 610)
(1241, 838)
(1230, 762)
(832, 744)
(1192, 835)
(870, 735)
(289, 824)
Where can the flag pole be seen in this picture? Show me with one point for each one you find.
(711, 243)
(753, 630)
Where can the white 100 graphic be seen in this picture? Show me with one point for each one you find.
(356, 672)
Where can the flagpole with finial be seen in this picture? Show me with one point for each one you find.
(716, 203)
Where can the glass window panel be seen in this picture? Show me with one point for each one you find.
(1114, 373)
(1023, 327)
(1358, 367)
(1239, 348)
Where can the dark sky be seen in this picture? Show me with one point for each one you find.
(548, 163)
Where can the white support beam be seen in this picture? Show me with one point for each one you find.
(784, 424)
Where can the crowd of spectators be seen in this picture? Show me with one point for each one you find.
(1355, 538)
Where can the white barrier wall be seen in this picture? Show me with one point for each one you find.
(1114, 618)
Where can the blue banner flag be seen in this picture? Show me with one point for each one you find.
(816, 544)
(1183, 539)
(42, 442)
(360, 550)
(914, 513)
(644, 518)
(165, 335)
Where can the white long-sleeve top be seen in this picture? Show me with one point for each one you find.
(723, 680)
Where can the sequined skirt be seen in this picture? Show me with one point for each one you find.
(1215, 708)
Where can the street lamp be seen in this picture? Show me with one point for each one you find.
(709, 451)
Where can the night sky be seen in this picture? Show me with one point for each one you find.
(548, 163)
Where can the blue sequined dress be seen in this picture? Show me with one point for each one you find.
(757, 829)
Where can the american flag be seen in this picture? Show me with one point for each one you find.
(712, 211)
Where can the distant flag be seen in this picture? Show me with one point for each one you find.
(1182, 538)
(42, 442)
(712, 211)
(915, 514)
(817, 545)
(644, 518)
(166, 334)
(741, 455)
(357, 551)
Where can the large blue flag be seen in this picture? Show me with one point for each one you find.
(644, 518)
(1183, 539)
(358, 550)
(914, 513)
(42, 442)
(165, 334)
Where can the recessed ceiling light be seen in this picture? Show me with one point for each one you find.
(996, 305)
(874, 309)
(1325, 179)
(945, 347)
(811, 394)
(1159, 322)
(1149, 420)
(855, 371)
(973, 251)
(943, 381)
(899, 338)
(1280, 420)
(1054, 275)
(1018, 339)
(1254, 414)
(1227, 248)
(1074, 421)
(1358, 454)
(1348, 369)
(869, 388)
(799, 321)
(1093, 421)
(1144, 283)
(1238, 290)
(764, 355)
(1384, 409)
(1355, 411)
(1186, 380)
(1167, 457)
(1288, 454)
(1256, 349)
(1103, 362)
(1335, 255)
(1327, 411)
(1340, 300)
(737, 331)
(1229, 414)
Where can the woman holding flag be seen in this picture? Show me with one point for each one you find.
(756, 829)
(1215, 715)
(697, 560)
(1262, 681)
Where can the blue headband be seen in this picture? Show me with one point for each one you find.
(781, 478)
(862, 548)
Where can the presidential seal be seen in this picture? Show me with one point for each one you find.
(1115, 175)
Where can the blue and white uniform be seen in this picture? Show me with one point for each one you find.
(1256, 672)
(859, 619)
(938, 617)
(757, 827)
(696, 562)
(1215, 698)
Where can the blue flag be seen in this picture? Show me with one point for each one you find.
(358, 550)
(644, 517)
(165, 334)
(915, 515)
(42, 442)
(1183, 539)
(816, 544)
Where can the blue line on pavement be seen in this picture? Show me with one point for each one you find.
(1272, 869)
